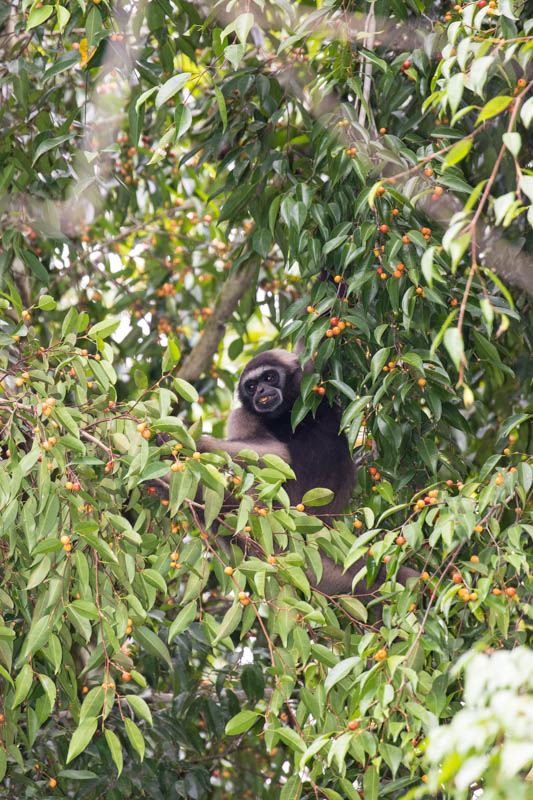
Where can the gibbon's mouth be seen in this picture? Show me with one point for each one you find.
(267, 403)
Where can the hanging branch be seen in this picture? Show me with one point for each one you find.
(201, 354)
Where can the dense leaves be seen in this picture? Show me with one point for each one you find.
(179, 186)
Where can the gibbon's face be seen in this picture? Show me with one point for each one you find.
(262, 390)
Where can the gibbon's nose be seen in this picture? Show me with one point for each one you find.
(264, 394)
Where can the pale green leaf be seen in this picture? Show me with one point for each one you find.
(457, 153)
(170, 88)
(494, 106)
(38, 15)
(453, 341)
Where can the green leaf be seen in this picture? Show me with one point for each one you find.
(231, 620)
(85, 608)
(182, 119)
(23, 684)
(115, 748)
(242, 26)
(354, 607)
(152, 644)
(429, 452)
(340, 671)
(63, 63)
(140, 707)
(438, 338)
(38, 269)
(495, 106)
(39, 573)
(221, 107)
(124, 525)
(234, 53)
(37, 636)
(38, 15)
(513, 142)
(371, 784)
(63, 16)
(144, 97)
(155, 578)
(454, 90)
(101, 547)
(457, 153)
(46, 302)
(318, 497)
(241, 722)
(93, 703)
(81, 737)
(170, 87)
(135, 736)
(278, 464)
(77, 774)
(393, 756)
(186, 390)
(526, 112)
(64, 417)
(104, 328)
(49, 144)
(453, 341)
(291, 738)
(526, 185)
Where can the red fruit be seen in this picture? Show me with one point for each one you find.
(334, 321)
(384, 228)
(406, 64)
(353, 725)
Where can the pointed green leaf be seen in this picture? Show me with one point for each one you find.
(241, 722)
(81, 737)
(135, 736)
(170, 87)
(495, 106)
(115, 748)
(22, 685)
(140, 707)
(457, 153)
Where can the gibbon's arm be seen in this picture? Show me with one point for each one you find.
(206, 444)
(245, 432)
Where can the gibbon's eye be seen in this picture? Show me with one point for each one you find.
(251, 386)
(271, 377)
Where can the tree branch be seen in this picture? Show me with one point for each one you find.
(233, 289)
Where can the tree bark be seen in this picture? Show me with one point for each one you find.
(233, 289)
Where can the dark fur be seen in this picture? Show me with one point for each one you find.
(318, 454)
